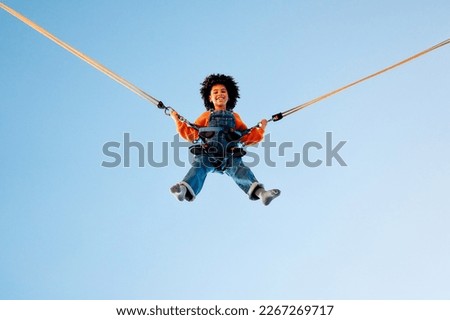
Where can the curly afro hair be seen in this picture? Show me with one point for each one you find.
(228, 82)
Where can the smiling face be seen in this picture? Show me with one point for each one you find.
(219, 97)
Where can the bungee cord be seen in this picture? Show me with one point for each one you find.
(93, 63)
(279, 116)
(169, 110)
(81, 55)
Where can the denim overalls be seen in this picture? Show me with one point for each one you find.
(216, 155)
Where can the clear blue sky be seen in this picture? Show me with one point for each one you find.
(374, 229)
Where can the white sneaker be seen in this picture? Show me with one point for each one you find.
(179, 191)
(269, 195)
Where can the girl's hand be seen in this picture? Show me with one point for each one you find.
(263, 124)
(174, 115)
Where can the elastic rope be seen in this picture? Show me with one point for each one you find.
(279, 116)
(82, 56)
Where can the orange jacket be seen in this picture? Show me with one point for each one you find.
(190, 134)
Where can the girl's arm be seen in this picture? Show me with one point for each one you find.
(255, 135)
(186, 132)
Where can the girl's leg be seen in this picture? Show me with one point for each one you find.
(246, 180)
(244, 177)
(192, 183)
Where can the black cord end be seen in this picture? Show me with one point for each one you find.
(277, 117)
(161, 105)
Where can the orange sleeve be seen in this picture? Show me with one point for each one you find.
(253, 137)
(191, 134)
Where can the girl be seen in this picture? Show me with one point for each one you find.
(220, 131)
